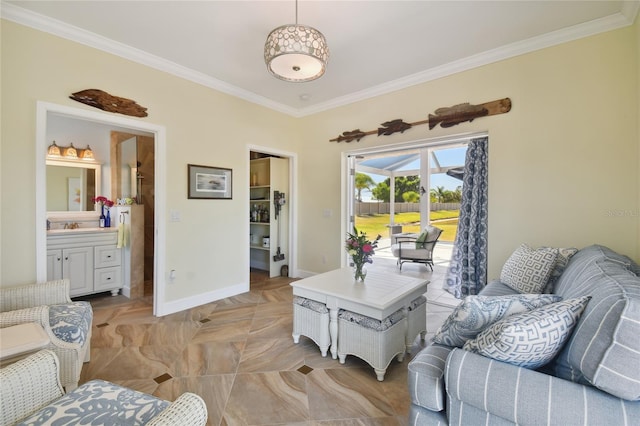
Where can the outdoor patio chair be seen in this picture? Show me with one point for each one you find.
(417, 248)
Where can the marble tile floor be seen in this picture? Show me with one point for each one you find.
(238, 354)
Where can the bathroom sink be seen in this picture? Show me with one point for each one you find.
(80, 230)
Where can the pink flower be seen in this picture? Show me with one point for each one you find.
(103, 201)
(367, 248)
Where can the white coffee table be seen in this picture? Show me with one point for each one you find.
(379, 296)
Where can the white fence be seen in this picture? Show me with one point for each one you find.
(362, 209)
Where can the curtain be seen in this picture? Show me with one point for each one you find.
(467, 272)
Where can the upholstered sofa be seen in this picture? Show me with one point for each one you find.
(592, 379)
(31, 394)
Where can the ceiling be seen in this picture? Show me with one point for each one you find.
(375, 46)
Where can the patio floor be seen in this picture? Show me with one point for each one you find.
(441, 257)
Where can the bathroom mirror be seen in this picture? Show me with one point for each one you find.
(71, 185)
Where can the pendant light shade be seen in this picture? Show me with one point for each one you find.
(296, 53)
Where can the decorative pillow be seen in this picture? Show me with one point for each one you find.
(422, 238)
(311, 304)
(71, 322)
(528, 270)
(475, 313)
(99, 402)
(564, 256)
(372, 323)
(530, 339)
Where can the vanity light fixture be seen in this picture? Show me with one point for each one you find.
(70, 152)
(54, 150)
(296, 53)
(86, 154)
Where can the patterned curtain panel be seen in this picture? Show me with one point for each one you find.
(467, 273)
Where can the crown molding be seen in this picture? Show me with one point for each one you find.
(58, 28)
(612, 22)
(37, 21)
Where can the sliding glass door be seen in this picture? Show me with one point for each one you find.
(404, 189)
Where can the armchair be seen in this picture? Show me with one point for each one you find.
(31, 394)
(417, 248)
(66, 323)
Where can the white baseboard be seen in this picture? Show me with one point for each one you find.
(202, 299)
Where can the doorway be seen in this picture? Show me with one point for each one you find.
(404, 188)
(45, 113)
(272, 213)
(133, 178)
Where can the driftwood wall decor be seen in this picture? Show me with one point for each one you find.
(446, 117)
(106, 102)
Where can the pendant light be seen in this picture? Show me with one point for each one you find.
(296, 53)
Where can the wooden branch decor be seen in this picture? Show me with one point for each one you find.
(106, 102)
(446, 117)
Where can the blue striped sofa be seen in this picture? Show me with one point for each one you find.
(594, 380)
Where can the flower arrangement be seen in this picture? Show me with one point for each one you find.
(105, 221)
(103, 201)
(361, 251)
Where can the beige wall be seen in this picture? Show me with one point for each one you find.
(562, 162)
(202, 127)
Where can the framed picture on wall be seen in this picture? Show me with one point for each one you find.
(207, 182)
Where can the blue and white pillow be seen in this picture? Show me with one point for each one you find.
(530, 339)
(99, 402)
(71, 322)
(528, 270)
(564, 256)
(372, 323)
(476, 313)
(311, 304)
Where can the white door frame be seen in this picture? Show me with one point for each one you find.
(347, 156)
(43, 109)
(292, 202)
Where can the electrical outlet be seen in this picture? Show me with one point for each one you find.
(324, 259)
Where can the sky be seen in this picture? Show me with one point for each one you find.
(446, 157)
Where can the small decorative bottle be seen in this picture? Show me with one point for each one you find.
(103, 219)
(107, 219)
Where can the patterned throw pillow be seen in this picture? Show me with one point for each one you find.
(475, 313)
(528, 270)
(71, 322)
(530, 339)
(564, 256)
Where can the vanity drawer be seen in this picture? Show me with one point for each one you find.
(107, 278)
(106, 256)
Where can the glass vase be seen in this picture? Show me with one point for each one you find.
(359, 272)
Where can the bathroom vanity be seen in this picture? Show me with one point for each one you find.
(88, 257)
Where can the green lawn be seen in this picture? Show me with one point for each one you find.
(376, 224)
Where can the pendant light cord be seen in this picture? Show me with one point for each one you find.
(296, 13)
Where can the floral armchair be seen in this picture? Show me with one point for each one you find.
(66, 323)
